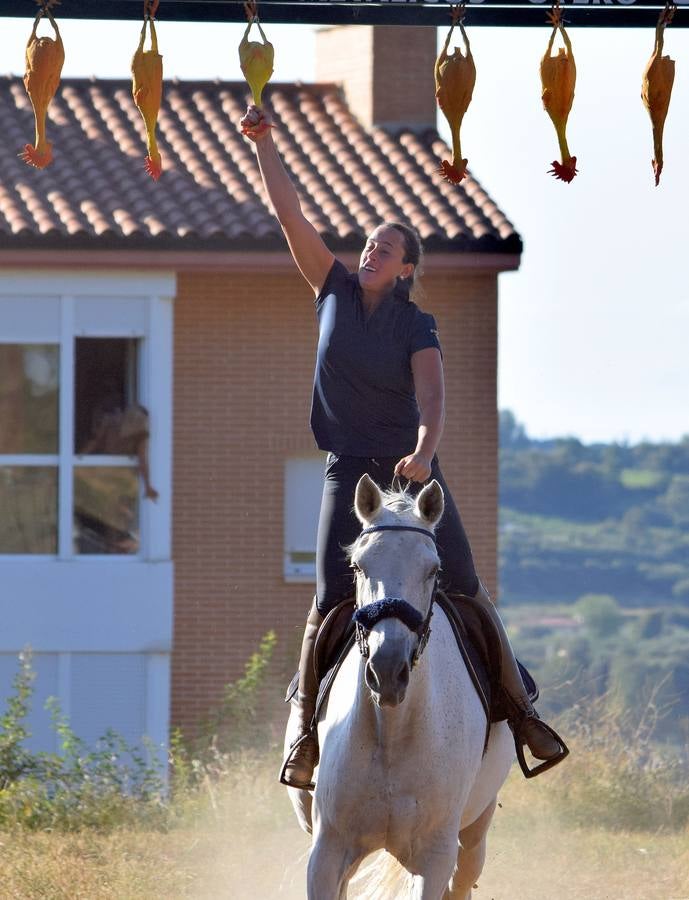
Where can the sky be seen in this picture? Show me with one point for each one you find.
(594, 327)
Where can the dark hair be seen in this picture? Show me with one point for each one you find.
(413, 253)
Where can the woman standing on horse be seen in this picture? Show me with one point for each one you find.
(378, 408)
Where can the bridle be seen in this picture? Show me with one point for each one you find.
(369, 615)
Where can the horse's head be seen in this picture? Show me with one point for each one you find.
(396, 565)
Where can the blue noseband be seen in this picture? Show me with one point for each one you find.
(389, 608)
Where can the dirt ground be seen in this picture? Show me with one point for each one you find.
(248, 847)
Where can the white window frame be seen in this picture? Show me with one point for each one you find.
(72, 294)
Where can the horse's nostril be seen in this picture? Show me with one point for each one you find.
(371, 678)
(403, 675)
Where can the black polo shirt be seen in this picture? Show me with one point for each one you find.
(364, 402)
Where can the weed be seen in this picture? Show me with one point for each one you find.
(618, 776)
(102, 787)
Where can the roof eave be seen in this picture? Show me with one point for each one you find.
(219, 261)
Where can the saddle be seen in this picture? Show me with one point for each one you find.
(477, 641)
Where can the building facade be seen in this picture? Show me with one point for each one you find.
(178, 302)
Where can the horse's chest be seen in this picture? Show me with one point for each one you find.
(386, 810)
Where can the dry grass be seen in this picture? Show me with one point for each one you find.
(240, 842)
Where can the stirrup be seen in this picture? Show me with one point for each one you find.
(519, 742)
(290, 753)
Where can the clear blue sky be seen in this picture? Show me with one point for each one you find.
(594, 328)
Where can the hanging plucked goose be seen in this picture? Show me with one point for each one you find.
(558, 78)
(147, 87)
(455, 76)
(255, 57)
(656, 88)
(44, 59)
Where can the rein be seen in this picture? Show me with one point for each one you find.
(367, 616)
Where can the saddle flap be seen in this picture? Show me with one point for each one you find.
(482, 634)
(333, 633)
(334, 638)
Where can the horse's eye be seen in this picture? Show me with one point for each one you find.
(434, 571)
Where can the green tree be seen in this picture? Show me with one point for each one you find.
(511, 433)
(676, 500)
(600, 613)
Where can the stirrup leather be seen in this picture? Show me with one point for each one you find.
(288, 758)
(517, 725)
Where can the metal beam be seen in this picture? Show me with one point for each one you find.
(434, 13)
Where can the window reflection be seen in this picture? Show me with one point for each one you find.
(105, 388)
(29, 398)
(106, 510)
(28, 509)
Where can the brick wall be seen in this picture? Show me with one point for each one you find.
(386, 71)
(243, 368)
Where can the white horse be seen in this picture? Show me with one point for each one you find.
(402, 763)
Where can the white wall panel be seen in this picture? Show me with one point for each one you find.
(86, 605)
(108, 691)
(111, 316)
(29, 320)
(125, 692)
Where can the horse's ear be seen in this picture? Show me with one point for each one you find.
(367, 499)
(430, 503)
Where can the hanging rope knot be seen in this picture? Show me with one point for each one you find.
(667, 14)
(555, 16)
(458, 11)
(251, 11)
(150, 9)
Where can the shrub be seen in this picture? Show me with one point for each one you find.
(232, 732)
(239, 722)
(113, 784)
(102, 787)
(617, 776)
(15, 760)
(600, 613)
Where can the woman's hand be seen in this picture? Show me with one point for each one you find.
(255, 123)
(414, 467)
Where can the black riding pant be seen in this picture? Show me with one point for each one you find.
(338, 527)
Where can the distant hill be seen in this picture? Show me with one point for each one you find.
(601, 518)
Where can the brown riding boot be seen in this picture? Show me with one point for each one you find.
(543, 742)
(298, 769)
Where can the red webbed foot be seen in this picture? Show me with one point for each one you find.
(564, 171)
(453, 173)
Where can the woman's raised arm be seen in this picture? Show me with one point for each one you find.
(308, 250)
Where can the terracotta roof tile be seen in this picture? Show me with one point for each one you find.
(210, 196)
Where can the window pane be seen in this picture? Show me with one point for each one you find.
(28, 509)
(105, 392)
(29, 398)
(106, 510)
(303, 489)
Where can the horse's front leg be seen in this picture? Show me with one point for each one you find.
(434, 866)
(301, 800)
(331, 864)
(471, 855)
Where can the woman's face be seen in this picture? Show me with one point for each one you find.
(382, 260)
